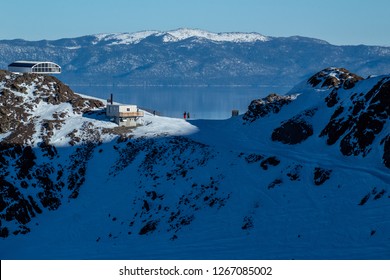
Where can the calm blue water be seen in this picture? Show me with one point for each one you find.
(201, 102)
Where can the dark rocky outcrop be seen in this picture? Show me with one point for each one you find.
(386, 151)
(148, 227)
(357, 121)
(332, 99)
(294, 172)
(321, 175)
(21, 94)
(274, 183)
(271, 104)
(372, 195)
(292, 132)
(247, 223)
(295, 130)
(14, 207)
(270, 161)
(333, 77)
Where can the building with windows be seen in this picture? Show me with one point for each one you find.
(124, 115)
(39, 67)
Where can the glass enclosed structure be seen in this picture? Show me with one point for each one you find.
(39, 67)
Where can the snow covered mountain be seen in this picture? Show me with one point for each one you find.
(194, 57)
(299, 176)
(179, 35)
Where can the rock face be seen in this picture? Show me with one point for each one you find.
(386, 151)
(358, 119)
(334, 78)
(321, 175)
(272, 104)
(22, 94)
(295, 130)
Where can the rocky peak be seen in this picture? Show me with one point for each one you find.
(22, 94)
(333, 77)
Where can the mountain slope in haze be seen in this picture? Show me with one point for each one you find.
(299, 176)
(193, 57)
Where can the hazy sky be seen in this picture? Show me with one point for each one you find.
(340, 22)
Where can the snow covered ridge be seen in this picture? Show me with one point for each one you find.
(38, 108)
(237, 37)
(353, 112)
(124, 38)
(179, 35)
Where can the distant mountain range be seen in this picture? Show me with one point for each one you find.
(194, 57)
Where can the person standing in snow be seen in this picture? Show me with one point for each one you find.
(188, 115)
(184, 115)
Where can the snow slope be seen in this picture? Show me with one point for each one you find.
(248, 187)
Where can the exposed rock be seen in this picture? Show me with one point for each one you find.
(321, 175)
(253, 158)
(247, 223)
(357, 125)
(295, 130)
(294, 172)
(271, 104)
(386, 151)
(274, 183)
(273, 161)
(364, 199)
(4, 232)
(333, 78)
(25, 162)
(374, 192)
(332, 99)
(78, 169)
(148, 227)
(15, 206)
(380, 194)
(292, 132)
(22, 93)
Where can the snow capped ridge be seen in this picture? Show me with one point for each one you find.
(179, 35)
(237, 37)
(124, 38)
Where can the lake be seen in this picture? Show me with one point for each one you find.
(213, 102)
